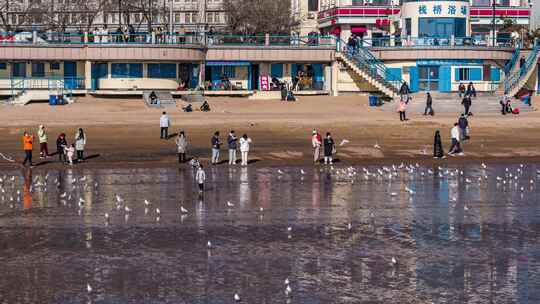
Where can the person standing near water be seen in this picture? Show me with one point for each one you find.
(438, 151)
(232, 141)
(402, 107)
(80, 143)
(245, 141)
(61, 146)
(456, 147)
(200, 178)
(216, 145)
(181, 144)
(316, 142)
(329, 148)
(164, 124)
(28, 146)
(43, 138)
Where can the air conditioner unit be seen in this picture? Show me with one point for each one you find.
(312, 15)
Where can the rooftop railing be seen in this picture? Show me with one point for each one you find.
(423, 42)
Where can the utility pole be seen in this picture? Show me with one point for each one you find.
(171, 24)
(493, 4)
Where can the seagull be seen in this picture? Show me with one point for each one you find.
(237, 297)
(279, 171)
(146, 202)
(484, 166)
(63, 195)
(393, 194)
(229, 204)
(209, 244)
(158, 211)
(288, 290)
(343, 142)
(88, 288)
(376, 146)
(127, 209)
(119, 199)
(183, 210)
(394, 261)
(81, 202)
(465, 208)
(287, 281)
(106, 216)
(289, 229)
(349, 226)
(261, 209)
(302, 172)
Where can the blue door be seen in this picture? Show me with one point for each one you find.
(413, 75)
(99, 71)
(70, 74)
(445, 79)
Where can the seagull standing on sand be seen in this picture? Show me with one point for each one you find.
(183, 210)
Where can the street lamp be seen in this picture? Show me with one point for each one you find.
(493, 5)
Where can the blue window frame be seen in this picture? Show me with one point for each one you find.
(3, 65)
(468, 74)
(126, 70)
(54, 65)
(18, 69)
(162, 70)
(38, 69)
(229, 71)
(276, 70)
(441, 27)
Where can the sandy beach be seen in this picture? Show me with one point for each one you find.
(124, 132)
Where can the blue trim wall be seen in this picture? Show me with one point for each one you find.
(413, 74)
(445, 78)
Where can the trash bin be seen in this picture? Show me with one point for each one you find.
(373, 100)
(53, 100)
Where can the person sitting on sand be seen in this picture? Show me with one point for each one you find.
(188, 108)
(205, 107)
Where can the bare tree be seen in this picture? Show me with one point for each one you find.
(259, 16)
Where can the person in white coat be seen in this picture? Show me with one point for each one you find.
(200, 178)
(164, 124)
(245, 141)
(80, 143)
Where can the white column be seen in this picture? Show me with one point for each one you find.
(334, 78)
(88, 75)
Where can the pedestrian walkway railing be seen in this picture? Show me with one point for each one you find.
(510, 64)
(174, 39)
(21, 84)
(428, 42)
(518, 75)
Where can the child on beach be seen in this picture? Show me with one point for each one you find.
(70, 151)
(200, 177)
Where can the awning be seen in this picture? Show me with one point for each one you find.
(358, 29)
(335, 31)
(228, 63)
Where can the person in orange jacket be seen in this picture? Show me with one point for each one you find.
(28, 145)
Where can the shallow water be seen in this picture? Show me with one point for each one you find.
(456, 239)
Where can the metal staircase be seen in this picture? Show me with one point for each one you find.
(27, 89)
(371, 69)
(519, 78)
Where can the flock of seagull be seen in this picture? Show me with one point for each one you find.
(11, 194)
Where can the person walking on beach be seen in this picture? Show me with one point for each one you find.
(43, 138)
(463, 126)
(466, 102)
(28, 146)
(164, 124)
(404, 91)
(438, 151)
(245, 141)
(456, 146)
(61, 146)
(402, 107)
(216, 145)
(232, 141)
(181, 144)
(329, 148)
(316, 142)
(471, 90)
(429, 105)
(80, 143)
(200, 178)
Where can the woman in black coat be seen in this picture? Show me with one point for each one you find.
(437, 146)
(328, 148)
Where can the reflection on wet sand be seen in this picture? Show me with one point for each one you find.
(454, 237)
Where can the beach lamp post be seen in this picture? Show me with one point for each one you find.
(494, 3)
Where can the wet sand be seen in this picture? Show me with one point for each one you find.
(457, 237)
(124, 132)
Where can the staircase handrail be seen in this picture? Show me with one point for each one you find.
(515, 77)
(371, 64)
(510, 65)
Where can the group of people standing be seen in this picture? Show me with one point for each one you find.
(328, 145)
(65, 152)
